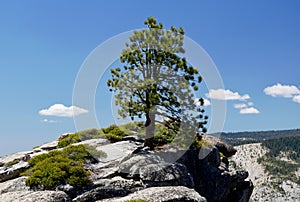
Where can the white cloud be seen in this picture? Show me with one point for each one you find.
(279, 90)
(240, 106)
(250, 110)
(206, 102)
(62, 111)
(49, 121)
(221, 94)
(246, 108)
(296, 98)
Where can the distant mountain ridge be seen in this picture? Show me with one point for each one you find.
(238, 138)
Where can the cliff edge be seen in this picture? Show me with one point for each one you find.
(129, 172)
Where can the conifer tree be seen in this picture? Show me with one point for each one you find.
(157, 84)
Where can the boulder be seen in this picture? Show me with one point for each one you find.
(163, 194)
(49, 146)
(154, 171)
(243, 191)
(38, 152)
(99, 171)
(94, 142)
(226, 149)
(14, 171)
(17, 184)
(118, 151)
(108, 188)
(70, 190)
(213, 183)
(18, 155)
(30, 196)
(130, 185)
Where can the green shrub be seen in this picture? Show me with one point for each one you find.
(137, 200)
(90, 134)
(113, 138)
(59, 167)
(55, 171)
(70, 139)
(113, 133)
(78, 177)
(113, 129)
(200, 143)
(80, 136)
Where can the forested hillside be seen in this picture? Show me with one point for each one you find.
(283, 158)
(273, 162)
(239, 138)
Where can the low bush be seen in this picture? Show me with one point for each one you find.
(70, 139)
(113, 133)
(137, 200)
(199, 143)
(112, 137)
(55, 168)
(90, 134)
(55, 171)
(113, 129)
(79, 136)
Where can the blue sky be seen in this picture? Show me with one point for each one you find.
(254, 44)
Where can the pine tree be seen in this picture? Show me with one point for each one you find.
(156, 83)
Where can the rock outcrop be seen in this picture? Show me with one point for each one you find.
(109, 188)
(8, 173)
(154, 171)
(226, 149)
(132, 172)
(163, 194)
(17, 184)
(212, 181)
(30, 196)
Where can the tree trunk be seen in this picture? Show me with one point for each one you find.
(150, 126)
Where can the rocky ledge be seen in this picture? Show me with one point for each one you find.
(130, 171)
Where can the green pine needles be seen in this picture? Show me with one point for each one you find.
(156, 83)
(60, 167)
